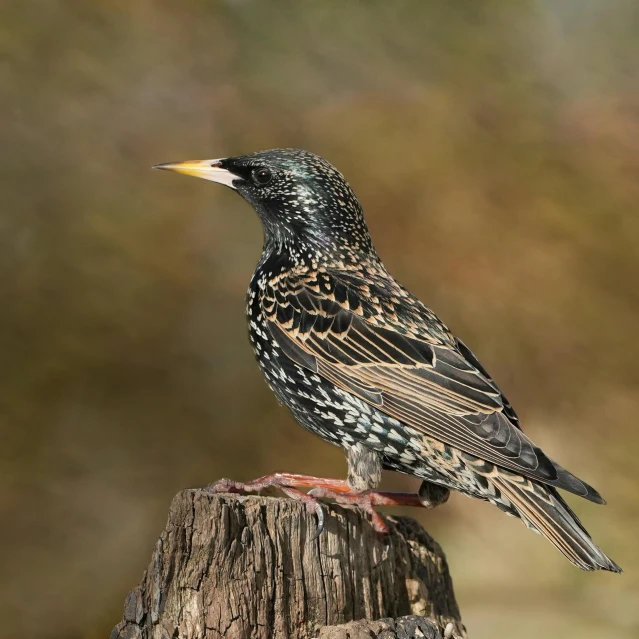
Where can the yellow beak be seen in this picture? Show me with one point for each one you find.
(205, 169)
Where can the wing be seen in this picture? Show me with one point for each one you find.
(396, 355)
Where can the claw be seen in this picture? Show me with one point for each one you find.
(387, 544)
(319, 511)
(312, 506)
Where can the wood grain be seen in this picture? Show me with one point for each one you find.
(243, 567)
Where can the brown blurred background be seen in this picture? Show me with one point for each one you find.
(495, 147)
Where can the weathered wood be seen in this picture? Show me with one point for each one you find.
(401, 628)
(243, 567)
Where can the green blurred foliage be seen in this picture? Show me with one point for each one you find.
(495, 147)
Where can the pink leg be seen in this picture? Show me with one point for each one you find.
(337, 489)
(368, 499)
(363, 500)
(279, 480)
(287, 483)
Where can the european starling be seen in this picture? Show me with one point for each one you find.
(365, 365)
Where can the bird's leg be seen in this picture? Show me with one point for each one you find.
(278, 480)
(287, 483)
(428, 496)
(366, 500)
(374, 497)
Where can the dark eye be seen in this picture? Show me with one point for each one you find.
(262, 176)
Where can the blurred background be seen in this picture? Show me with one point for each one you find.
(495, 147)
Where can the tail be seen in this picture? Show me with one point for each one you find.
(542, 509)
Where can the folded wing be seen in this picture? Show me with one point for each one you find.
(436, 387)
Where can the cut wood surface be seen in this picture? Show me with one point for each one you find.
(245, 567)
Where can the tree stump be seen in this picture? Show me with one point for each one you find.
(247, 567)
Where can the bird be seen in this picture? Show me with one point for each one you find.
(365, 365)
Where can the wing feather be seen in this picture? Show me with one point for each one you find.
(437, 388)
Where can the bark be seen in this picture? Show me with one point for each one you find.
(243, 567)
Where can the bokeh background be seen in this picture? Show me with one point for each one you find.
(495, 147)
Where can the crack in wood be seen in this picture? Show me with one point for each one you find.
(236, 567)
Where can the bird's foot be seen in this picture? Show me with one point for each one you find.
(367, 500)
(364, 500)
(278, 480)
(313, 505)
(429, 495)
(287, 483)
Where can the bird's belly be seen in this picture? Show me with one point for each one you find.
(316, 404)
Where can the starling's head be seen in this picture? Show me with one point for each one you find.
(304, 203)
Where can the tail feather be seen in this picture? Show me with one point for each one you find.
(542, 508)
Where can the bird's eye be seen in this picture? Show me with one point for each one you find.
(262, 176)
